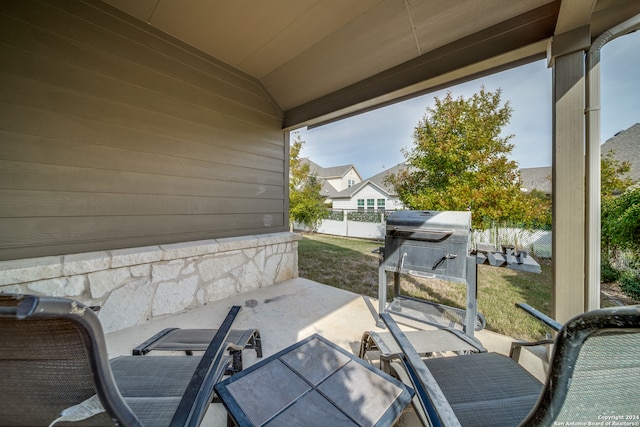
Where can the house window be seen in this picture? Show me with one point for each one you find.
(360, 204)
(351, 182)
(381, 204)
(371, 204)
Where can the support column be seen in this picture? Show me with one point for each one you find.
(567, 58)
(593, 183)
(286, 136)
(593, 154)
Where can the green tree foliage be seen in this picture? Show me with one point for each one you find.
(621, 233)
(615, 237)
(540, 216)
(621, 221)
(459, 161)
(612, 176)
(306, 205)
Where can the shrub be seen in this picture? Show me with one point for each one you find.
(365, 216)
(337, 215)
(608, 273)
(621, 221)
(630, 284)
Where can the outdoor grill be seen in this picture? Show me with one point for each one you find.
(428, 244)
(438, 245)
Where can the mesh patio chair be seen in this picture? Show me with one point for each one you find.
(382, 346)
(594, 373)
(190, 340)
(53, 357)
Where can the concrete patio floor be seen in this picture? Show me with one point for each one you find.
(286, 313)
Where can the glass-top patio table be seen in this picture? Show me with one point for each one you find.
(313, 383)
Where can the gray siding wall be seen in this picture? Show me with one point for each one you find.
(113, 135)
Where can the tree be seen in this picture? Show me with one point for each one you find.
(612, 180)
(620, 223)
(459, 161)
(613, 183)
(540, 213)
(306, 204)
(621, 220)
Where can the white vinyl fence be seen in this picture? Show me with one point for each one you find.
(537, 242)
(372, 225)
(349, 223)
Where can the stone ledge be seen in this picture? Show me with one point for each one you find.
(85, 263)
(188, 249)
(134, 285)
(135, 256)
(36, 269)
(29, 270)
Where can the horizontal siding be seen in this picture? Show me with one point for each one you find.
(42, 150)
(36, 231)
(113, 135)
(64, 246)
(73, 204)
(47, 177)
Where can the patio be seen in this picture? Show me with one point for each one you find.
(283, 315)
(129, 127)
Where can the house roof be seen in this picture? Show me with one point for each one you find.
(380, 178)
(348, 193)
(338, 171)
(376, 180)
(536, 179)
(626, 147)
(331, 172)
(314, 168)
(327, 189)
(323, 60)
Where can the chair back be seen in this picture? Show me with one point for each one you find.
(53, 356)
(595, 371)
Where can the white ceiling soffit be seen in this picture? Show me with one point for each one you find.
(321, 60)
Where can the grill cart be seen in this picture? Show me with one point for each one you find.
(437, 245)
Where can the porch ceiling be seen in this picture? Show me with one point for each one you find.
(325, 59)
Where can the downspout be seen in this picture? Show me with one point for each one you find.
(592, 112)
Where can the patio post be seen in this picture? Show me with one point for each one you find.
(566, 56)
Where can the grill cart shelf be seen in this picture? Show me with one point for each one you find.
(437, 245)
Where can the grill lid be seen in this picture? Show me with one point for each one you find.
(432, 226)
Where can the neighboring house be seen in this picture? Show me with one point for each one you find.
(371, 194)
(536, 179)
(626, 148)
(334, 179)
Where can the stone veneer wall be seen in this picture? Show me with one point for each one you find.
(133, 285)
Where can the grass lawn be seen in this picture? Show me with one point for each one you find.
(349, 264)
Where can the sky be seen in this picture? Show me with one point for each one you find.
(373, 141)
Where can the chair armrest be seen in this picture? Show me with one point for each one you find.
(147, 346)
(516, 347)
(200, 389)
(432, 399)
(553, 324)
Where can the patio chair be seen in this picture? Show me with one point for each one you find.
(53, 358)
(426, 342)
(190, 340)
(594, 374)
(517, 346)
